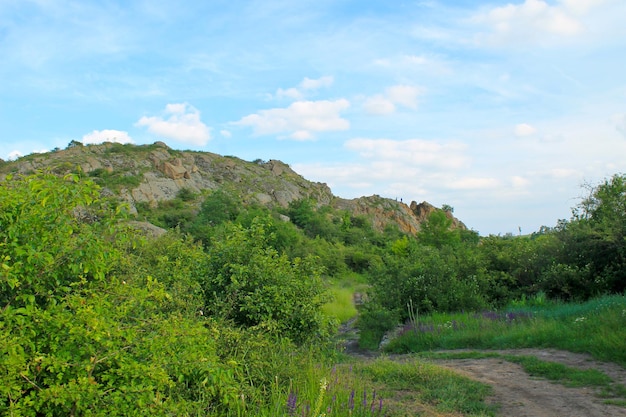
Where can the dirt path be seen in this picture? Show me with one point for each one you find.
(517, 393)
(520, 395)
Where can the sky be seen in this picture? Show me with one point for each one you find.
(505, 110)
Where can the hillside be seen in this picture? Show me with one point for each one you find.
(151, 174)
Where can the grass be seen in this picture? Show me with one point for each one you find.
(432, 390)
(381, 387)
(596, 327)
(342, 306)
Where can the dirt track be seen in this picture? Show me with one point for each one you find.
(520, 395)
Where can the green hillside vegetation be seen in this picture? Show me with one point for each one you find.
(234, 310)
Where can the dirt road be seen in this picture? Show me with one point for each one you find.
(520, 395)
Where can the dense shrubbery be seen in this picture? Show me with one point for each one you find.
(96, 320)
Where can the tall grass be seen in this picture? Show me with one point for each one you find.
(342, 308)
(343, 290)
(376, 388)
(596, 327)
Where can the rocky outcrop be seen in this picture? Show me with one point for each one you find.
(155, 173)
(423, 210)
(382, 212)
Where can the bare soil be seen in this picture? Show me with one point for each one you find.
(520, 395)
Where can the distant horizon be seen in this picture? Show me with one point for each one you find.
(502, 109)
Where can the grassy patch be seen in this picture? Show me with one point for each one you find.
(342, 307)
(433, 387)
(595, 327)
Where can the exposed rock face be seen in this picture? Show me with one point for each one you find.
(159, 173)
(424, 209)
(148, 228)
(175, 170)
(382, 211)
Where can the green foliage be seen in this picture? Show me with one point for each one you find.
(116, 180)
(436, 280)
(217, 208)
(185, 194)
(436, 230)
(86, 329)
(596, 236)
(250, 283)
(373, 323)
(52, 238)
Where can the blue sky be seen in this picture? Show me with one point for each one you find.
(501, 109)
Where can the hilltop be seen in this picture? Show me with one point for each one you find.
(153, 174)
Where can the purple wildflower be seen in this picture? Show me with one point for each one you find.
(351, 400)
(292, 400)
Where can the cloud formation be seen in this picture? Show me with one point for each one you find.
(306, 85)
(403, 95)
(524, 129)
(107, 135)
(180, 122)
(300, 120)
(533, 20)
(417, 153)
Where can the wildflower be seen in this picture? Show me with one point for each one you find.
(291, 403)
(580, 319)
(320, 397)
(351, 400)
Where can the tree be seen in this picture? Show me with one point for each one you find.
(436, 230)
(596, 236)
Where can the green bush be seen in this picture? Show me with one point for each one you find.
(250, 283)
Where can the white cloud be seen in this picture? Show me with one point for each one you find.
(300, 120)
(314, 84)
(403, 95)
(524, 129)
(13, 155)
(413, 152)
(581, 6)
(180, 122)
(226, 133)
(107, 135)
(532, 20)
(564, 173)
(473, 183)
(291, 93)
(306, 85)
(519, 182)
(378, 104)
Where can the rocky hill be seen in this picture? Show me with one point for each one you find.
(150, 174)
